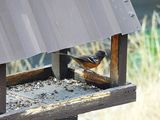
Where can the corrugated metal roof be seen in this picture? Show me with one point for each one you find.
(29, 27)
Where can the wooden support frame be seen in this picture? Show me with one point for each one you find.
(46, 72)
(29, 76)
(60, 69)
(68, 110)
(91, 77)
(73, 107)
(118, 59)
(2, 88)
(117, 66)
(60, 64)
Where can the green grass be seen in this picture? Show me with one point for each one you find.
(144, 53)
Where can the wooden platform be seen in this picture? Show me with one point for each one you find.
(74, 106)
(37, 93)
(58, 99)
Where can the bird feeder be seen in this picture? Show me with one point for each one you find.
(31, 27)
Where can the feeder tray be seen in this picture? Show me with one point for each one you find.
(30, 27)
(36, 95)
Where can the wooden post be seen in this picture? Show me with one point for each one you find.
(29, 76)
(60, 64)
(2, 88)
(60, 70)
(63, 110)
(118, 59)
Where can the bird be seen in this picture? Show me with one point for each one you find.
(90, 61)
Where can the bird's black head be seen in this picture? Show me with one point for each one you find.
(100, 54)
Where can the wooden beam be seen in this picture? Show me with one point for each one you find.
(60, 64)
(2, 88)
(91, 77)
(114, 58)
(45, 72)
(105, 98)
(118, 59)
(29, 76)
(60, 69)
(123, 39)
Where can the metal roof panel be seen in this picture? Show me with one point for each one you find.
(30, 27)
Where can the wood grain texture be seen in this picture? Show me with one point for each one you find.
(2, 88)
(29, 76)
(118, 59)
(122, 69)
(114, 58)
(60, 64)
(91, 77)
(46, 72)
(75, 106)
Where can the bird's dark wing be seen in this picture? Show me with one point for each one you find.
(90, 59)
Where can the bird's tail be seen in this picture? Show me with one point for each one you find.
(63, 54)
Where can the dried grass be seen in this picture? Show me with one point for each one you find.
(143, 70)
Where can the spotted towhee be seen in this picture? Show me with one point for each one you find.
(89, 62)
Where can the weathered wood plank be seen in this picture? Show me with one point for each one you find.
(29, 76)
(123, 39)
(60, 64)
(106, 98)
(2, 88)
(45, 72)
(91, 78)
(118, 59)
(114, 58)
